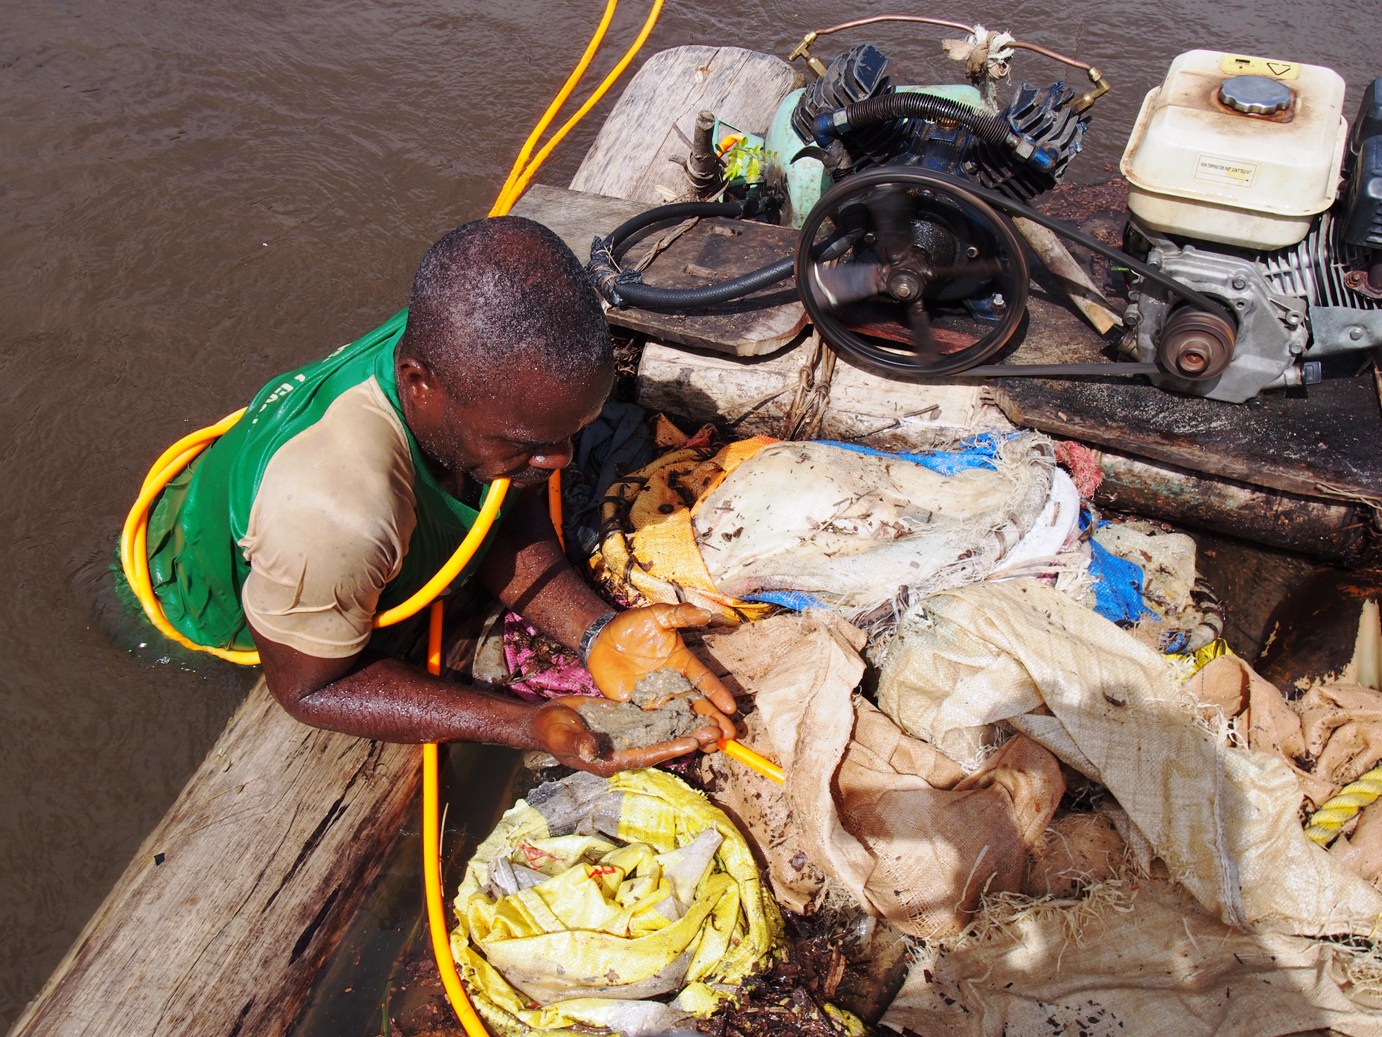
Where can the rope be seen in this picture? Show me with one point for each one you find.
(806, 413)
(1341, 808)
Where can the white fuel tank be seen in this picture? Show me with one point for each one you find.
(1237, 150)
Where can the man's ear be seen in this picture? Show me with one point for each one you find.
(415, 379)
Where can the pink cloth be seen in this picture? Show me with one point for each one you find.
(539, 667)
(1083, 465)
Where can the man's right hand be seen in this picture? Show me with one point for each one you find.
(564, 733)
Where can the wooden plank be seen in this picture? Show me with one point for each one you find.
(709, 251)
(575, 216)
(755, 397)
(1321, 528)
(1326, 445)
(220, 922)
(636, 153)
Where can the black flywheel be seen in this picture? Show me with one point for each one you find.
(910, 273)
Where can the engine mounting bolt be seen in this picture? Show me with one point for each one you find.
(1355, 333)
(1240, 282)
(1293, 319)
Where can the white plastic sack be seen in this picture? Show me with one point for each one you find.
(1224, 820)
(853, 529)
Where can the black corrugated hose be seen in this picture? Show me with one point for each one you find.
(626, 287)
(988, 126)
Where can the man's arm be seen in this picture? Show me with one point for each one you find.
(374, 696)
(527, 571)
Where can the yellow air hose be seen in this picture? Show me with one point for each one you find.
(134, 553)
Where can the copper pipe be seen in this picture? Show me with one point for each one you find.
(1019, 44)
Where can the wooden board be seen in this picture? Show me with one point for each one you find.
(1312, 525)
(1320, 441)
(712, 250)
(220, 922)
(755, 398)
(636, 153)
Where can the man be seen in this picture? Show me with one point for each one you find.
(349, 482)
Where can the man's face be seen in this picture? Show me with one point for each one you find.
(523, 433)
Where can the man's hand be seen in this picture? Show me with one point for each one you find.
(645, 640)
(564, 733)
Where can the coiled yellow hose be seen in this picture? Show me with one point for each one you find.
(134, 541)
(134, 557)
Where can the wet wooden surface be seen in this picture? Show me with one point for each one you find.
(221, 921)
(687, 255)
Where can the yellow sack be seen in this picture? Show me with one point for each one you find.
(629, 903)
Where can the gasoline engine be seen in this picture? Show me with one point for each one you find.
(1253, 245)
(1245, 183)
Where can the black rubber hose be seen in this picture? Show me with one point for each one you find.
(988, 126)
(626, 289)
(667, 213)
(669, 300)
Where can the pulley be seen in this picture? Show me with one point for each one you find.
(911, 273)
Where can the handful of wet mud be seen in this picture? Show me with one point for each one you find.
(656, 689)
(657, 711)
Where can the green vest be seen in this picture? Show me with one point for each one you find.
(196, 524)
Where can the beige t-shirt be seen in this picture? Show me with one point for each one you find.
(329, 527)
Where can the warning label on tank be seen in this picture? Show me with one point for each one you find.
(1217, 170)
(1241, 65)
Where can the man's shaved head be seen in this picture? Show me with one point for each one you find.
(502, 299)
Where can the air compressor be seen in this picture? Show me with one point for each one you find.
(1252, 248)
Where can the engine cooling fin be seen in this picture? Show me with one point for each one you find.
(1045, 118)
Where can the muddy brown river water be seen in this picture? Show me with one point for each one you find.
(197, 196)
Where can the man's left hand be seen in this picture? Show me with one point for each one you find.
(641, 641)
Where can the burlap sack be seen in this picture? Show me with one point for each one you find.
(889, 819)
(1328, 736)
(819, 524)
(1223, 819)
(1134, 959)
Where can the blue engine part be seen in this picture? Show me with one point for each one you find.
(1022, 152)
